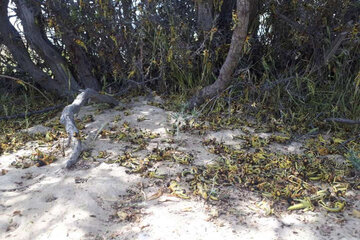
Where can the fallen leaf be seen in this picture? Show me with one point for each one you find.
(356, 213)
(156, 195)
(4, 171)
(17, 213)
(122, 215)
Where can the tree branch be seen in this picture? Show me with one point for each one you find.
(67, 119)
(342, 120)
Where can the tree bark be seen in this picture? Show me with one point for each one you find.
(342, 120)
(12, 40)
(205, 10)
(68, 120)
(77, 54)
(238, 37)
(29, 12)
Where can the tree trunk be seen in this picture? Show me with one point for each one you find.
(29, 12)
(11, 38)
(205, 14)
(77, 54)
(237, 41)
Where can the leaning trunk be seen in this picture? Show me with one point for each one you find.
(30, 15)
(76, 52)
(238, 38)
(12, 39)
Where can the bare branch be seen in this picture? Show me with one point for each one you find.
(67, 119)
(342, 120)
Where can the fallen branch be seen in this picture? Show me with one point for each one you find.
(67, 119)
(342, 120)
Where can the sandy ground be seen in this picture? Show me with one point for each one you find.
(98, 200)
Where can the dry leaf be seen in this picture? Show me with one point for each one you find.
(356, 213)
(156, 195)
(4, 171)
(122, 215)
(17, 213)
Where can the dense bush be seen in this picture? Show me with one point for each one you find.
(301, 56)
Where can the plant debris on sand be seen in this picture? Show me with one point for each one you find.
(145, 169)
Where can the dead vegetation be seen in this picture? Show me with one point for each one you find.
(176, 156)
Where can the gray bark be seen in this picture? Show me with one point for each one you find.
(77, 54)
(29, 12)
(342, 120)
(11, 38)
(232, 59)
(205, 14)
(67, 119)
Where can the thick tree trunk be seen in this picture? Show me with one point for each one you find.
(232, 59)
(77, 54)
(80, 61)
(205, 10)
(30, 15)
(11, 38)
(29, 12)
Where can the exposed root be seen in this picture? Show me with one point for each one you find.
(67, 119)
